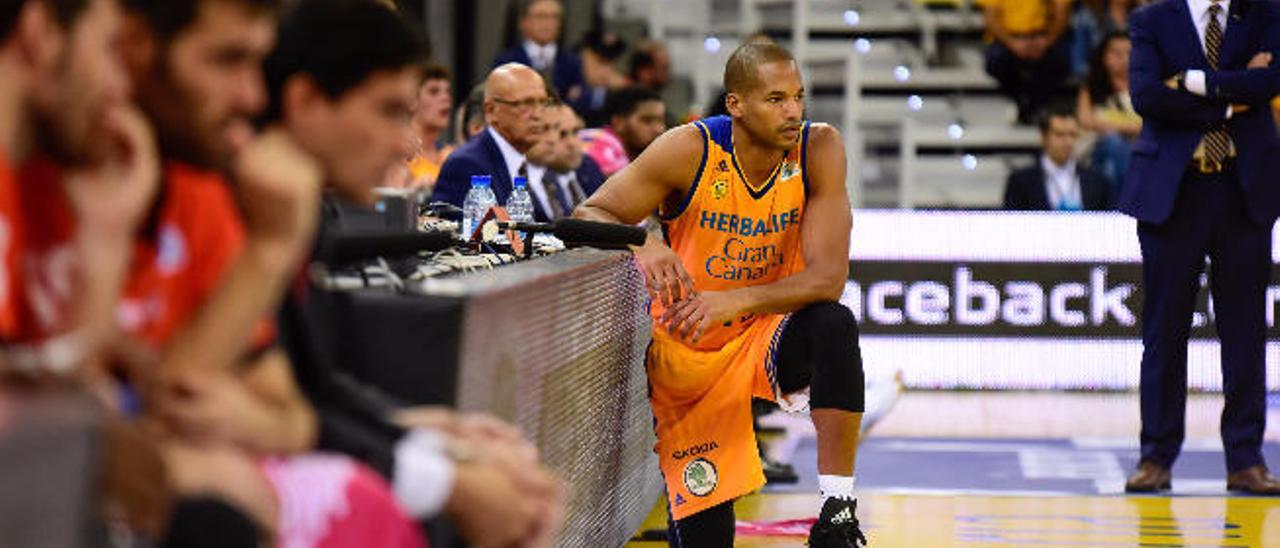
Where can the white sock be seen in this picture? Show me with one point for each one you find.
(837, 486)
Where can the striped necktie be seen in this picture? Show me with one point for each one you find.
(1217, 143)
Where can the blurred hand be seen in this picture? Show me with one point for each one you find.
(664, 274)
(207, 407)
(111, 198)
(470, 427)
(279, 189)
(1260, 61)
(499, 505)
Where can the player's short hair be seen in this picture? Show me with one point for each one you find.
(168, 18)
(338, 44)
(742, 74)
(64, 11)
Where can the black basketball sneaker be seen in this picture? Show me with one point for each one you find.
(837, 526)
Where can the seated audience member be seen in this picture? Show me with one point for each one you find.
(1028, 53)
(636, 117)
(651, 67)
(353, 114)
(430, 120)
(1091, 23)
(1105, 109)
(1056, 182)
(515, 100)
(540, 23)
(599, 51)
(569, 176)
(468, 121)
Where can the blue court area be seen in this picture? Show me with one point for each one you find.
(1078, 466)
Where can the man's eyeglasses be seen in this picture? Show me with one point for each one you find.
(527, 104)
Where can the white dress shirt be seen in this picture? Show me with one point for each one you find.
(1062, 185)
(541, 56)
(1195, 80)
(510, 156)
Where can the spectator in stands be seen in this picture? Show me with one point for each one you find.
(651, 65)
(636, 117)
(469, 120)
(1028, 54)
(540, 23)
(430, 120)
(1104, 107)
(569, 176)
(600, 51)
(1057, 182)
(515, 100)
(343, 82)
(1093, 21)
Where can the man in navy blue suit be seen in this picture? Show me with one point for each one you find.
(515, 101)
(1204, 182)
(540, 22)
(570, 176)
(1057, 182)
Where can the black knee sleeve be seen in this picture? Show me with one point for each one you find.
(819, 349)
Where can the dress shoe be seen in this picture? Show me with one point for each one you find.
(1150, 478)
(1255, 480)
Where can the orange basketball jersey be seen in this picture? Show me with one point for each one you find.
(728, 235)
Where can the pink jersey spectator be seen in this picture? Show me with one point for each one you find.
(603, 146)
(330, 501)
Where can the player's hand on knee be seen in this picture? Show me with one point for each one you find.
(689, 319)
(664, 274)
(686, 317)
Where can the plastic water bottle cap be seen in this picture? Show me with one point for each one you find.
(521, 182)
(481, 180)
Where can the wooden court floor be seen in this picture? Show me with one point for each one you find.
(927, 520)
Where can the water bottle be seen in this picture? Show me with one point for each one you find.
(520, 204)
(478, 201)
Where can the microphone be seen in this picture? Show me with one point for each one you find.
(580, 232)
(349, 247)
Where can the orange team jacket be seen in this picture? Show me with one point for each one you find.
(728, 234)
